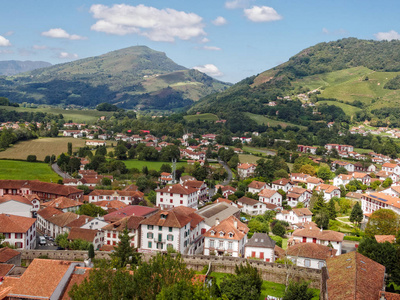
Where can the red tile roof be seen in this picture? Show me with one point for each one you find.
(4, 269)
(324, 235)
(268, 193)
(228, 226)
(48, 212)
(168, 218)
(256, 184)
(7, 253)
(177, 189)
(302, 212)
(16, 224)
(311, 250)
(62, 202)
(385, 238)
(130, 210)
(82, 234)
(132, 222)
(388, 296)
(17, 198)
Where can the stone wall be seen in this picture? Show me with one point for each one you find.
(270, 271)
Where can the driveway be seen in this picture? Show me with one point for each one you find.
(57, 169)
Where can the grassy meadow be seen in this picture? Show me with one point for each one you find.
(201, 117)
(151, 165)
(22, 170)
(41, 148)
(260, 120)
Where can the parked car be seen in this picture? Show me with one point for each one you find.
(42, 240)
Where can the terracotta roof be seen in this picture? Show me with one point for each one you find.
(167, 218)
(62, 202)
(7, 253)
(130, 210)
(82, 234)
(17, 198)
(191, 212)
(389, 165)
(79, 221)
(271, 206)
(256, 184)
(325, 235)
(48, 212)
(79, 275)
(314, 180)
(177, 189)
(260, 240)
(354, 195)
(354, 276)
(279, 252)
(249, 201)
(53, 188)
(110, 204)
(194, 183)
(388, 296)
(345, 176)
(16, 224)
(227, 226)
(385, 238)
(282, 181)
(302, 212)
(116, 193)
(360, 175)
(132, 187)
(327, 188)
(187, 177)
(246, 166)
(132, 222)
(40, 279)
(268, 193)
(63, 219)
(383, 198)
(311, 250)
(5, 268)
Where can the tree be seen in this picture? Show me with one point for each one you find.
(322, 218)
(279, 229)
(317, 201)
(387, 182)
(341, 170)
(47, 159)
(356, 215)
(307, 169)
(91, 210)
(298, 291)
(166, 168)
(324, 173)
(331, 209)
(31, 158)
(69, 149)
(91, 251)
(382, 222)
(124, 254)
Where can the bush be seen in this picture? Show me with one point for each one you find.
(31, 158)
(352, 238)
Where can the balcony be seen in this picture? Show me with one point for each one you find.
(157, 240)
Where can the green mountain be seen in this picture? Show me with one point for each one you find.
(359, 78)
(134, 77)
(12, 67)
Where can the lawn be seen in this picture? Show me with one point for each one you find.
(260, 120)
(248, 158)
(75, 115)
(201, 117)
(268, 288)
(362, 151)
(41, 147)
(151, 165)
(22, 170)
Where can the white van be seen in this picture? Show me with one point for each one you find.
(42, 240)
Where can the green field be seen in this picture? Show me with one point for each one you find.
(362, 151)
(268, 288)
(41, 147)
(260, 120)
(201, 117)
(347, 109)
(22, 170)
(248, 158)
(78, 116)
(151, 165)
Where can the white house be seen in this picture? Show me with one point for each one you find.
(166, 178)
(260, 246)
(179, 228)
(64, 204)
(246, 170)
(313, 182)
(18, 231)
(18, 205)
(128, 197)
(95, 224)
(113, 230)
(282, 184)
(342, 179)
(200, 186)
(176, 195)
(310, 255)
(328, 190)
(389, 167)
(295, 216)
(227, 237)
(315, 235)
(345, 164)
(374, 201)
(255, 186)
(299, 177)
(95, 143)
(270, 196)
(252, 207)
(296, 195)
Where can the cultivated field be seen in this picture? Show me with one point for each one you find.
(248, 158)
(201, 117)
(41, 147)
(151, 165)
(22, 170)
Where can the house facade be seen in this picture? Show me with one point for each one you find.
(176, 195)
(18, 231)
(260, 246)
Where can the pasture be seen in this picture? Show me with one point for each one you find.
(41, 148)
(151, 165)
(260, 120)
(201, 117)
(22, 170)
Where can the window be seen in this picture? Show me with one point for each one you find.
(160, 237)
(150, 227)
(170, 237)
(221, 244)
(149, 245)
(253, 253)
(181, 202)
(114, 235)
(307, 263)
(160, 246)
(171, 194)
(203, 231)
(159, 228)
(18, 235)
(170, 229)
(162, 193)
(321, 264)
(170, 201)
(230, 245)
(170, 246)
(261, 255)
(212, 243)
(149, 235)
(161, 200)
(181, 195)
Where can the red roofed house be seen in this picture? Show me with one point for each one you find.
(96, 237)
(227, 237)
(389, 167)
(200, 186)
(113, 230)
(179, 228)
(256, 186)
(270, 196)
(296, 195)
(64, 204)
(226, 190)
(19, 205)
(246, 170)
(176, 195)
(18, 231)
(251, 206)
(282, 184)
(295, 215)
(311, 234)
(313, 182)
(130, 210)
(309, 255)
(374, 201)
(128, 197)
(165, 178)
(328, 190)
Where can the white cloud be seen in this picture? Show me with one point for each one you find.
(390, 35)
(210, 70)
(219, 21)
(39, 47)
(163, 25)
(66, 55)
(212, 48)
(262, 14)
(4, 42)
(204, 40)
(59, 33)
(233, 4)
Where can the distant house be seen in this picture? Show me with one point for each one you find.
(165, 178)
(177, 195)
(260, 246)
(256, 187)
(95, 237)
(298, 195)
(295, 215)
(329, 191)
(64, 204)
(226, 190)
(270, 196)
(313, 182)
(95, 143)
(19, 206)
(282, 184)
(19, 232)
(310, 255)
(128, 197)
(246, 170)
(251, 206)
(114, 230)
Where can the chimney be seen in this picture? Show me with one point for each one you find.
(235, 224)
(216, 221)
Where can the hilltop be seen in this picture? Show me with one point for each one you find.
(13, 67)
(358, 77)
(134, 77)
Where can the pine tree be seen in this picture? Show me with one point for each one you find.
(332, 209)
(91, 251)
(125, 254)
(356, 214)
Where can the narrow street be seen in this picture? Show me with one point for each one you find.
(57, 169)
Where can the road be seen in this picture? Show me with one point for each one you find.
(228, 170)
(57, 169)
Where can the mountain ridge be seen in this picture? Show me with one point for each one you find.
(13, 67)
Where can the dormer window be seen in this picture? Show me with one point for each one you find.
(230, 234)
(163, 216)
(212, 232)
(221, 233)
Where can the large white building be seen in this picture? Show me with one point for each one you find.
(177, 195)
(252, 207)
(374, 201)
(18, 231)
(113, 230)
(270, 196)
(295, 215)
(19, 206)
(227, 237)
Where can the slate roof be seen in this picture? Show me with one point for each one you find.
(219, 211)
(260, 240)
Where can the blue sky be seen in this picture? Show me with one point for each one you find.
(228, 39)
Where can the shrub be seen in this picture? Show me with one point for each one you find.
(352, 238)
(31, 158)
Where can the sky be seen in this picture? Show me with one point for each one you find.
(227, 39)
